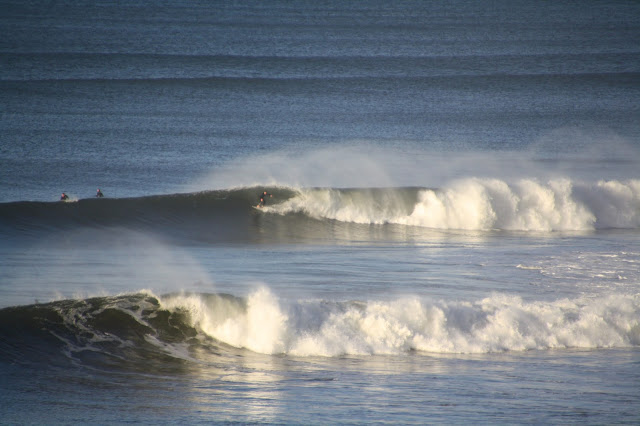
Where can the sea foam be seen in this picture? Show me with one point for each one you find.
(484, 204)
(494, 324)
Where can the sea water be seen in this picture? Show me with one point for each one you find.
(452, 232)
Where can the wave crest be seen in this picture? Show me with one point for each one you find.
(482, 204)
(293, 213)
(495, 324)
(138, 329)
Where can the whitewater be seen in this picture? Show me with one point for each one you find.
(327, 286)
(495, 324)
(451, 236)
(481, 204)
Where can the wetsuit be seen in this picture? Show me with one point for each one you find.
(263, 198)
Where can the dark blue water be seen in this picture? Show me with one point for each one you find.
(453, 232)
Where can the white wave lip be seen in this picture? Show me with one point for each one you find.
(495, 324)
(486, 204)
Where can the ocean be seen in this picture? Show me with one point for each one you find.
(451, 232)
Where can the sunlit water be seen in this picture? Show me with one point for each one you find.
(453, 234)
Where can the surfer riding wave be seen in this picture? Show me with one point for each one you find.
(263, 199)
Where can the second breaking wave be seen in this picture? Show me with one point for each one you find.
(141, 328)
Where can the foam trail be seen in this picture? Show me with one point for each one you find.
(494, 324)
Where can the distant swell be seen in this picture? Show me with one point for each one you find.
(295, 214)
(142, 329)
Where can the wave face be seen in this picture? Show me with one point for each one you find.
(229, 215)
(210, 216)
(138, 329)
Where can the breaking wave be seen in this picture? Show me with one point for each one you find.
(144, 328)
(482, 204)
(494, 324)
(294, 213)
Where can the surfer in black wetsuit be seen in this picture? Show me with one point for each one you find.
(64, 197)
(99, 194)
(263, 198)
